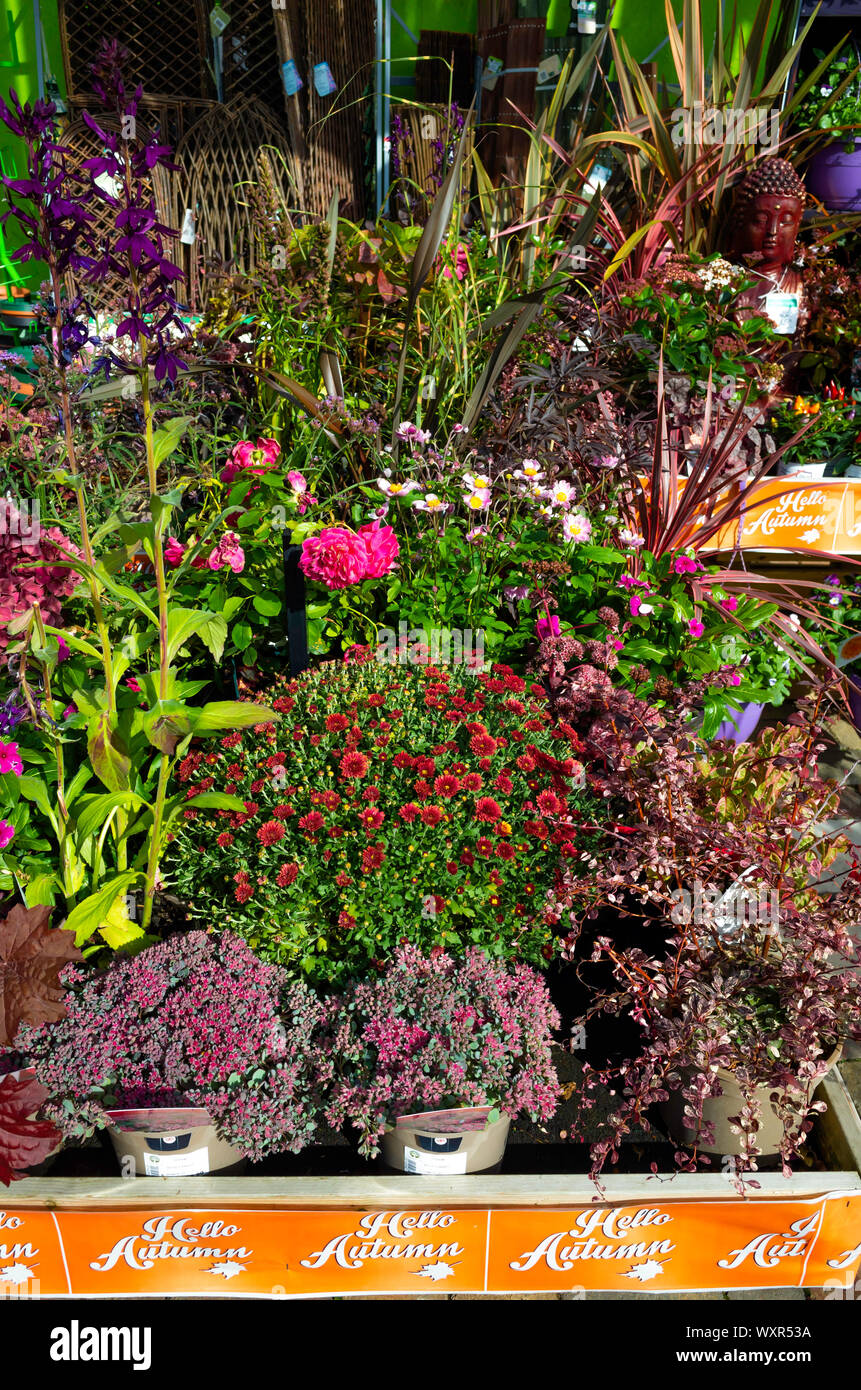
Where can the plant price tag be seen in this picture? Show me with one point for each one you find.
(218, 21)
(782, 309)
(492, 68)
(292, 81)
(417, 1161)
(323, 80)
(586, 16)
(162, 1165)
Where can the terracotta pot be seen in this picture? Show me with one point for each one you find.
(428, 1148)
(171, 1143)
(717, 1110)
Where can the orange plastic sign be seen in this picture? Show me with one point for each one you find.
(652, 1246)
(786, 513)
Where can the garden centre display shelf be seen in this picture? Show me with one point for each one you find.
(276, 1237)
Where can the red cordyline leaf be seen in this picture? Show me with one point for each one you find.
(32, 954)
(24, 1142)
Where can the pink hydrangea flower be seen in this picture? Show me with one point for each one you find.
(7, 833)
(10, 759)
(173, 551)
(228, 554)
(336, 557)
(382, 546)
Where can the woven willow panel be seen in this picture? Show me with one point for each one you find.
(341, 33)
(166, 39)
(219, 155)
(250, 66)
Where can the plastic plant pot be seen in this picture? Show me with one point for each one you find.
(422, 1144)
(834, 177)
(170, 1143)
(741, 723)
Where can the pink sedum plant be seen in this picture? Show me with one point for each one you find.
(432, 1033)
(197, 1020)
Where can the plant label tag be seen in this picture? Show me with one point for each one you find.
(586, 20)
(417, 1161)
(783, 310)
(492, 68)
(324, 82)
(165, 1165)
(108, 184)
(218, 21)
(188, 235)
(292, 81)
(549, 67)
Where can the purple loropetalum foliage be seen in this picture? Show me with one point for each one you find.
(135, 247)
(432, 1033)
(194, 1021)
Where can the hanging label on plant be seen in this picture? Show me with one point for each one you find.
(492, 68)
(324, 82)
(586, 16)
(188, 234)
(218, 21)
(108, 184)
(417, 1161)
(165, 1165)
(548, 68)
(783, 310)
(292, 81)
(599, 176)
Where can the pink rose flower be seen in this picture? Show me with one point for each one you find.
(7, 833)
(228, 554)
(10, 759)
(382, 546)
(254, 457)
(297, 481)
(336, 557)
(173, 551)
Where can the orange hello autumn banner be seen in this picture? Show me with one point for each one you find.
(783, 513)
(653, 1247)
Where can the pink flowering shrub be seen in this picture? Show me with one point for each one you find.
(338, 557)
(197, 1020)
(433, 1033)
(31, 570)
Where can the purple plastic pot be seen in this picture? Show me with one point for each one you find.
(834, 177)
(741, 722)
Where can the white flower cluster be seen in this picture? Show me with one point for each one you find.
(719, 274)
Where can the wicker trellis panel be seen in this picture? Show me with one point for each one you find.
(219, 155)
(340, 33)
(250, 65)
(166, 42)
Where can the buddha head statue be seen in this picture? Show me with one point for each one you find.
(766, 216)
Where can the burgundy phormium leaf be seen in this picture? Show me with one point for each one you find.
(24, 1141)
(32, 954)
